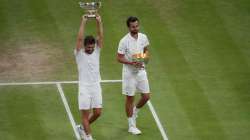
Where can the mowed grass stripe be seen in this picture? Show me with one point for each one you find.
(186, 28)
(32, 24)
(27, 21)
(12, 14)
(228, 77)
(213, 118)
(33, 112)
(235, 16)
(50, 26)
(3, 23)
(19, 119)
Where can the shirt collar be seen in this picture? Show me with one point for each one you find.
(133, 37)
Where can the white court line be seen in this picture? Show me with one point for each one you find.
(66, 105)
(157, 120)
(52, 82)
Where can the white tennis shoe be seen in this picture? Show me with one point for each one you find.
(134, 130)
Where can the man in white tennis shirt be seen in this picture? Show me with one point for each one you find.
(134, 75)
(87, 55)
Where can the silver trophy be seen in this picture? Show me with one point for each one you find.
(90, 8)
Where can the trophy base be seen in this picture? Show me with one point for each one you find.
(91, 16)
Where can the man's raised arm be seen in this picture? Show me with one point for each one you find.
(99, 31)
(79, 42)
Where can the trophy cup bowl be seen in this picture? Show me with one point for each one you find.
(90, 8)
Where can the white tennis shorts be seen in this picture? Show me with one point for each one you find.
(90, 96)
(131, 83)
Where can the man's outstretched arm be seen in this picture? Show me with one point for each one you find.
(79, 42)
(99, 31)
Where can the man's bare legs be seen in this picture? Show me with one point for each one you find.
(88, 118)
(132, 111)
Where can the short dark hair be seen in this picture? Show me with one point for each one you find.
(89, 40)
(131, 19)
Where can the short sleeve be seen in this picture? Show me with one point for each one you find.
(146, 41)
(97, 49)
(121, 47)
(77, 53)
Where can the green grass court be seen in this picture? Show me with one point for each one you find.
(199, 71)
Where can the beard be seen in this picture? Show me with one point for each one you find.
(89, 51)
(134, 32)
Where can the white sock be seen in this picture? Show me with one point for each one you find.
(136, 110)
(130, 122)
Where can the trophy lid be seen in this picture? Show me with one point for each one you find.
(90, 5)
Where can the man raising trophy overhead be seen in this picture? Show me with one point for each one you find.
(87, 53)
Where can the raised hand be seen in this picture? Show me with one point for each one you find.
(84, 18)
(98, 18)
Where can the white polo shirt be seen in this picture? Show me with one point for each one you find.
(130, 46)
(88, 66)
